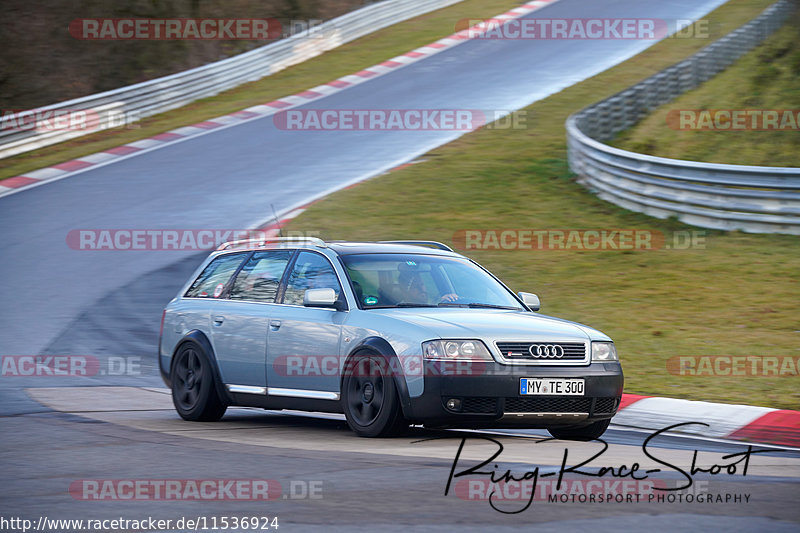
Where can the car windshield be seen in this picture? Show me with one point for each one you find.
(383, 281)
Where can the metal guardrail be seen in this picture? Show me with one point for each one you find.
(128, 104)
(727, 197)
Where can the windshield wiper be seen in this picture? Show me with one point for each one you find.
(412, 304)
(473, 305)
(400, 304)
(476, 305)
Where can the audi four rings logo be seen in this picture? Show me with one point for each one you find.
(550, 351)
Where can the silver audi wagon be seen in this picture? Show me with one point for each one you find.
(391, 334)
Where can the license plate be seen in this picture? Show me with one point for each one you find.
(550, 387)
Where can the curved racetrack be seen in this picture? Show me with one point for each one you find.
(63, 301)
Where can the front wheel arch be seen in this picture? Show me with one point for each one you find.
(359, 394)
(380, 346)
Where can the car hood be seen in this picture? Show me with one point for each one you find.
(492, 324)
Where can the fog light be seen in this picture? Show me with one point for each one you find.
(454, 404)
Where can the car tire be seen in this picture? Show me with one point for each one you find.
(581, 433)
(194, 391)
(370, 398)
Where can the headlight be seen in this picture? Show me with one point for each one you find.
(604, 351)
(456, 349)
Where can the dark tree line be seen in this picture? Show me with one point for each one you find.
(41, 63)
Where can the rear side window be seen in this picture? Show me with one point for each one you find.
(211, 282)
(311, 271)
(260, 276)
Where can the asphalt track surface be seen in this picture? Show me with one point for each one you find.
(398, 484)
(107, 304)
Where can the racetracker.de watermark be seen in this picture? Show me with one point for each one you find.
(45, 120)
(652, 491)
(326, 366)
(565, 28)
(69, 366)
(253, 490)
(734, 119)
(577, 239)
(170, 239)
(734, 365)
(153, 29)
(398, 119)
(581, 29)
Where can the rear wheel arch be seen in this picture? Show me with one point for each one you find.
(198, 337)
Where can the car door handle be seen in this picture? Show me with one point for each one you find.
(218, 320)
(275, 325)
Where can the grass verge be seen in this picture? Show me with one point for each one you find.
(347, 59)
(737, 295)
(764, 79)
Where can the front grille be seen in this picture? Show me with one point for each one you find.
(548, 405)
(560, 404)
(540, 404)
(479, 405)
(521, 351)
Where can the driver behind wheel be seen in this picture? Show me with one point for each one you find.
(417, 292)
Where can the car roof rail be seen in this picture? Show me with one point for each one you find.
(261, 242)
(431, 244)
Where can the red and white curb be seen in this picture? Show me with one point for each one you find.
(75, 166)
(724, 421)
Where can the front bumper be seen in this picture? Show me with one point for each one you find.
(489, 395)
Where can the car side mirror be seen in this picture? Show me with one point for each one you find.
(530, 300)
(322, 298)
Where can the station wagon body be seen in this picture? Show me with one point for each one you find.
(390, 334)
